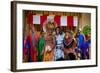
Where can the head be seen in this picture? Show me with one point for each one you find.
(68, 34)
(87, 36)
(58, 30)
(78, 33)
(42, 33)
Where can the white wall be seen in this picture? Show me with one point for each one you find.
(5, 37)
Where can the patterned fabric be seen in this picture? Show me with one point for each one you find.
(48, 54)
(31, 47)
(59, 39)
(58, 53)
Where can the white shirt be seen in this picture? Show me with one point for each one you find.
(60, 38)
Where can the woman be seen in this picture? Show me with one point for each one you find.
(40, 45)
(70, 46)
(59, 37)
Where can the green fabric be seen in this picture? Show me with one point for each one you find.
(40, 46)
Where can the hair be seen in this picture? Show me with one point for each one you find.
(41, 31)
(60, 30)
(72, 56)
(58, 27)
(69, 32)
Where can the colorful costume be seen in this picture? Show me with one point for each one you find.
(58, 53)
(70, 49)
(25, 51)
(48, 53)
(40, 46)
(49, 49)
(85, 49)
(80, 40)
(83, 46)
(31, 46)
(70, 46)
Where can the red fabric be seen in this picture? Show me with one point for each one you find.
(30, 19)
(25, 51)
(43, 18)
(33, 51)
(70, 21)
(57, 19)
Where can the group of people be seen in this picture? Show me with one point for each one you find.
(55, 45)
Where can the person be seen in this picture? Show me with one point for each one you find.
(86, 48)
(83, 45)
(25, 50)
(71, 56)
(31, 41)
(48, 50)
(59, 37)
(25, 45)
(81, 38)
(89, 46)
(40, 45)
(69, 46)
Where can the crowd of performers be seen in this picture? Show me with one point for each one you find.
(55, 45)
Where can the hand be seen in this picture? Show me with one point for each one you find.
(42, 52)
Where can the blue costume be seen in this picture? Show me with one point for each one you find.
(83, 46)
(80, 40)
